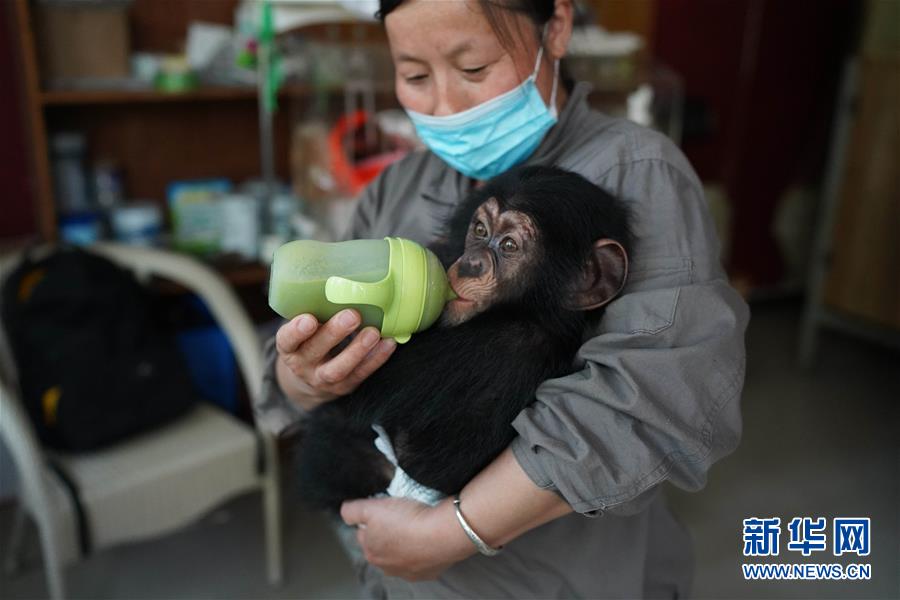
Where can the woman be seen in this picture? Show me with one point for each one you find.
(656, 393)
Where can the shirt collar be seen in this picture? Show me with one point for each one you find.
(573, 113)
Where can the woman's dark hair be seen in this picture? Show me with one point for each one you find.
(537, 11)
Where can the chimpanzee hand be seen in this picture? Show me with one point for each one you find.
(406, 538)
(309, 373)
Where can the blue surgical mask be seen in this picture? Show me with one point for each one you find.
(487, 139)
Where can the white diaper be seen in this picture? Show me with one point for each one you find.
(402, 485)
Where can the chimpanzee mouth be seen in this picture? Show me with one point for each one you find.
(459, 297)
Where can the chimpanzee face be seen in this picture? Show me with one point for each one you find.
(502, 251)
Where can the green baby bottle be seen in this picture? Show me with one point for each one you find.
(396, 285)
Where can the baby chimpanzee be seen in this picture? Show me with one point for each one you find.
(538, 252)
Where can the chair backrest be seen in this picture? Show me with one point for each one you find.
(20, 439)
(220, 298)
(200, 279)
(15, 428)
(211, 287)
(8, 262)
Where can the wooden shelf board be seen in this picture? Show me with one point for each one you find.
(203, 94)
(124, 96)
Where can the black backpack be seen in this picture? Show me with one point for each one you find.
(94, 364)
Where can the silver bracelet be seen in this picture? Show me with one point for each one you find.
(479, 543)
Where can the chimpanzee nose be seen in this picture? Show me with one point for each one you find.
(471, 267)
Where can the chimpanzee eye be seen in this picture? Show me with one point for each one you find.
(509, 245)
(480, 230)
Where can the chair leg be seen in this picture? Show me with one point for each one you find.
(271, 490)
(53, 564)
(16, 535)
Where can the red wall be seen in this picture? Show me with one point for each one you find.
(768, 72)
(16, 199)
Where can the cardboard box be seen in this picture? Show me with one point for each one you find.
(83, 39)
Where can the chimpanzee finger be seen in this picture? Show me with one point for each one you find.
(293, 333)
(338, 368)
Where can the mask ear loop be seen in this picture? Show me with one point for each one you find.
(553, 89)
(537, 67)
(537, 62)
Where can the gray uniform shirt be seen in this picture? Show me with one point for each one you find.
(655, 395)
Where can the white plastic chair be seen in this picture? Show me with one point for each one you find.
(157, 481)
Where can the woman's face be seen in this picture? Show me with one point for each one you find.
(448, 59)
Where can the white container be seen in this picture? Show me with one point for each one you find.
(67, 150)
(139, 223)
(240, 225)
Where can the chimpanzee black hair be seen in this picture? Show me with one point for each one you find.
(448, 397)
(570, 213)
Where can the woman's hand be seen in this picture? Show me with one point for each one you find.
(415, 541)
(306, 370)
(406, 538)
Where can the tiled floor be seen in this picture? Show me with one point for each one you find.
(819, 443)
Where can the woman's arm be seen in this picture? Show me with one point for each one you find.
(411, 540)
(501, 503)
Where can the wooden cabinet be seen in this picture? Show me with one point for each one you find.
(855, 283)
(153, 137)
(863, 276)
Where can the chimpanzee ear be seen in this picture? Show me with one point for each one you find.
(603, 278)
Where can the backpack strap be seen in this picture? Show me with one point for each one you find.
(84, 530)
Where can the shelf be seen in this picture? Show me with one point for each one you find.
(83, 97)
(144, 96)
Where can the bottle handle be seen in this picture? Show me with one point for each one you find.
(339, 290)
